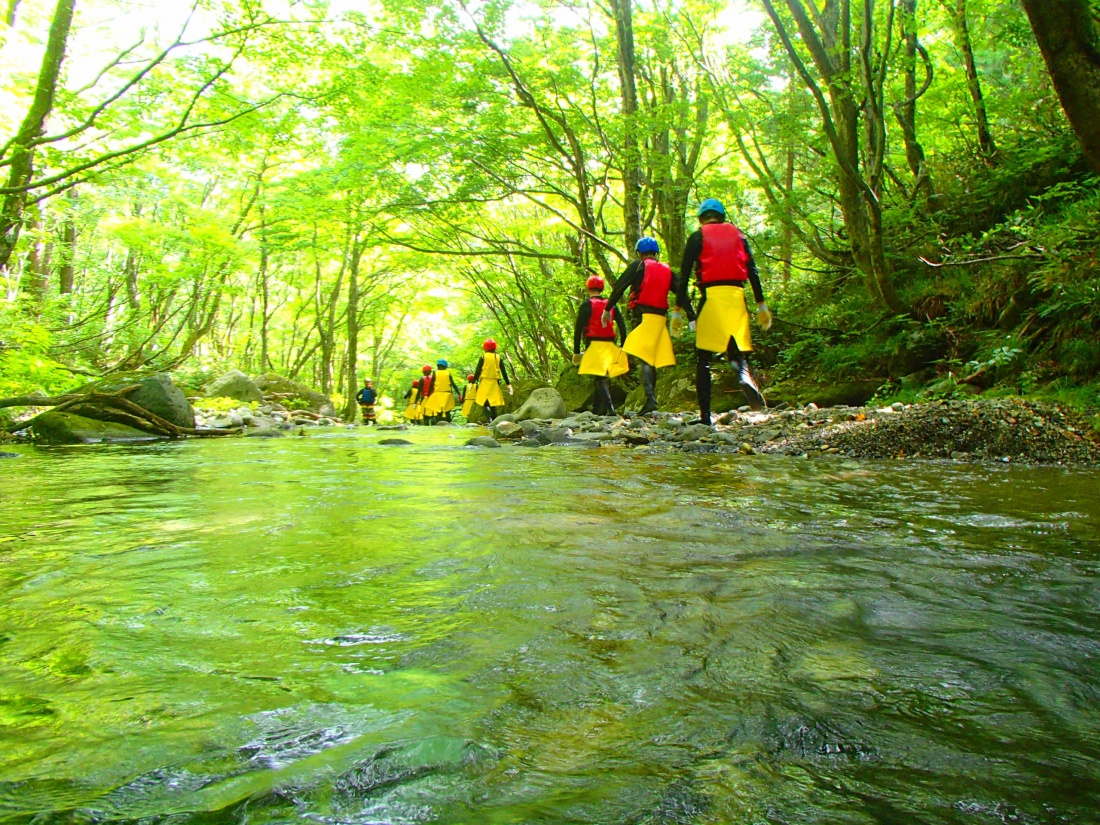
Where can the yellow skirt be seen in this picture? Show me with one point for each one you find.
(439, 403)
(489, 391)
(410, 412)
(604, 359)
(725, 315)
(467, 407)
(651, 342)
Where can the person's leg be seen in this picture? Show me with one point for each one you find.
(702, 383)
(489, 411)
(603, 392)
(740, 363)
(649, 383)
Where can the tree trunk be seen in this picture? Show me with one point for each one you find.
(1069, 38)
(632, 159)
(906, 110)
(32, 128)
(353, 329)
(66, 274)
(9, 15)
(962, 38)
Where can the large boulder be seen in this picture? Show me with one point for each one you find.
(291, 394)
(542, 403)
(155, 393)
(69, 428)
(235, 384)
(576, 390)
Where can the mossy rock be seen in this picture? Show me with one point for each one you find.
(296, 395)
(853, 393)
(69, 428)
(156, 393)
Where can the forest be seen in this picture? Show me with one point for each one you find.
(333, 191)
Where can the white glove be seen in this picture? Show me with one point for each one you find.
(605, 319)
(691, 326)
(576, 358)
(763, 316)
(510, 390)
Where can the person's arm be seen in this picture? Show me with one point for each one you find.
(693, 249)
(631, 277)
(504, 371)
(754, 273)
(620, 324)
(581, 324)
(477, 372)
(454, 386)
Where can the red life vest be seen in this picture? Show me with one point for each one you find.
(596, 330)
(425, 385)
(653, 294)
(724, 261)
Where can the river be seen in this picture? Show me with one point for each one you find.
(324, 629)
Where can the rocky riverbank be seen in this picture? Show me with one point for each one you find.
(1007, 430)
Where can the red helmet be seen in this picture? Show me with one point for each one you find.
(416, 382)
(425, 369)
(595, 282)
(469, 378)
(490, 345)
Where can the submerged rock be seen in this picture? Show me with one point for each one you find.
(265, 432)
(507, 429)
(9, 455)
(393, 442)
(483, 441)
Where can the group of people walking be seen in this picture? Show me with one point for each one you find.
(434, 396)
(719, 258)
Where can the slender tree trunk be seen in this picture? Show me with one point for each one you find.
(632, 159)
(67, 272)
(36, 274)
(906, 110)
(1069, 38)
(786, 250)
(962, 38)
(32, 128)
(9, 15)
(353, 329)
(265, 314)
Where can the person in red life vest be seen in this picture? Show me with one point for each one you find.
(650, 283)
(490, 370)
(603, 359)
(468, 396)
(424, 394)
(720, 257)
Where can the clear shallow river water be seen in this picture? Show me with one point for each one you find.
(322, 629)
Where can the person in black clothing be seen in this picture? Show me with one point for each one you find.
(650, 283)
(603, 359)
(367, 398)
(720, 257)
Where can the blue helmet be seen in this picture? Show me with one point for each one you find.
(647, 246)
(441, 363)
(712, 205)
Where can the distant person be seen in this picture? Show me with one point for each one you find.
(411, 398)
(366, 398)
(488, 375)
(720, 257)
(441, 393)
(468, 395)
(650, 283)
(602, 359)
(425, 389)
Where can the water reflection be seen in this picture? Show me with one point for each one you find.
(332, 629)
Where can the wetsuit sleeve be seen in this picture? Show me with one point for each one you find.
(480, 364)
(754, 274)
(359, 397)
(504, 372)
(454, 386)
(631, 277)
(581, 324)
(693, 249)
(620, 325)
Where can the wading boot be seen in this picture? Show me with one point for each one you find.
(748, 385)
(603, 396)
(649, 382)
(702, 390)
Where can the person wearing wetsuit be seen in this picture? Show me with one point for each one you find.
(425, 391)
(490, 370)
(603, 359)
(650, 283)
(411, 397)
(366, 398)
(720, 257)
(441, 393)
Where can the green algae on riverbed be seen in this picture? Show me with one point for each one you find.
(330, 629)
